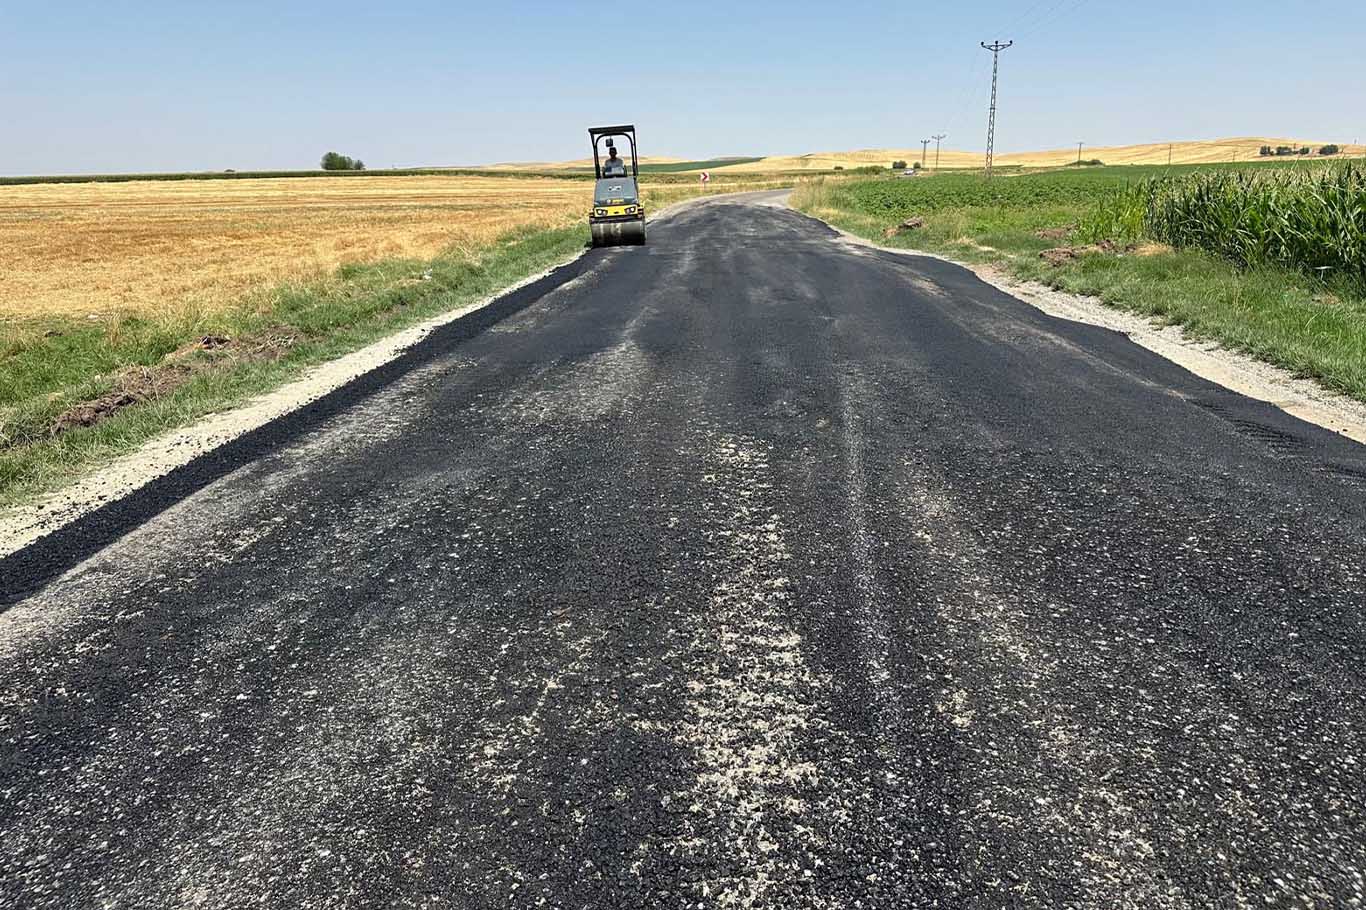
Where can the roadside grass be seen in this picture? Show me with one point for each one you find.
(271, 338)
(1313, 328)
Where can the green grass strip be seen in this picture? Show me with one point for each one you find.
(47, 365)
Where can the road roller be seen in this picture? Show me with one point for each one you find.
(617, 217)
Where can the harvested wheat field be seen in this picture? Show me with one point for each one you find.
(578, 164)
(1202, 152)
(88, 248)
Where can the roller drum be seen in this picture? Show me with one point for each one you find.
(618, 233)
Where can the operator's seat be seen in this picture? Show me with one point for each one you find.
(614, 170)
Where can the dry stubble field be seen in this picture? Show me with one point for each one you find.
(96, 248)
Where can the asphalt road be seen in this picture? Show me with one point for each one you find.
(750, 568)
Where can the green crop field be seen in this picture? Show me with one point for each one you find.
(1310, 220)
(906, 197)
(1265, 257)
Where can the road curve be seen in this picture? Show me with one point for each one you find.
(749, 568)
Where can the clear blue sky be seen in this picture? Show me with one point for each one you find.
(112, 86)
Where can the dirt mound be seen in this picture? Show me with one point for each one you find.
(1151, 249)
(1063, 254)
(138, 384)
(910, 224)
(131, 387)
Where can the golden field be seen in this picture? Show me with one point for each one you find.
(1204, 152)
(1201, 152)
(578, 164)
(1215, 151)
(86, 248)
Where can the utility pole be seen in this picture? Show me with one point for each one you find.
(924, 151)
(939, 137)
(1078, 154)
(995, 47)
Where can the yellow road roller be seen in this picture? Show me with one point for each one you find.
(617, 217)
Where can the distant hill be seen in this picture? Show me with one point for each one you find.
(578, 164)
(1210, 151)
(1199, 152)
(650, 164)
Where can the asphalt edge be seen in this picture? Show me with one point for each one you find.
(40, 540)
(86, 527)
(1302, 399)
(104, 486)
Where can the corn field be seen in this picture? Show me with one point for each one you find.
(1311, 221)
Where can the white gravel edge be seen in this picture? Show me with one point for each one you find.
(22, 524)
(1238, 372)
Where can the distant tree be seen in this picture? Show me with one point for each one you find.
(839, 167)
(1265, 151)
(335, 162)
(1283, 150)
(898, 165)
(1329, 149)
(1304, 150)
(916, 166)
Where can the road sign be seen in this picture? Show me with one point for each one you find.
(706, 178)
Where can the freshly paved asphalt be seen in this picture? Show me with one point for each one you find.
(749, 568)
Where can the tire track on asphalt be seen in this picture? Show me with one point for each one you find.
(999, 697)
(1196, 734)
(751, 698)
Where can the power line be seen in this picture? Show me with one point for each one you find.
(924, 151)
(938, 138)
(1057, 12)
(996, 47)
(1024, 17)
(967, 95)
(1042, 17)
